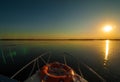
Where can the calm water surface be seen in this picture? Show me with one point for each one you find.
(102, 56)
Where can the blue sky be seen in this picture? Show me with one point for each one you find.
(58, 18)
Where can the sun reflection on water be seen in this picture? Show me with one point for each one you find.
(106, 52)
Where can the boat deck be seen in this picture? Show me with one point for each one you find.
(34, 78)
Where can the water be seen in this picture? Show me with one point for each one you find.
(101, 55)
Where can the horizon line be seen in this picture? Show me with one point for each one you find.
(20, 39)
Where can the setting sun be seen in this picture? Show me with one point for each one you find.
(107, 28)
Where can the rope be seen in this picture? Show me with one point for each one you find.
(65, 60)
(32, 68)
(80, 71)
(48, 59)
(77, 63)
(38, 64)
(94, 72)
(88, 68)
(28, 64)
(43, 60)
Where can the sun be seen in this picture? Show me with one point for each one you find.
(107, 28)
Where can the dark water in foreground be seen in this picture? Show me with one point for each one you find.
(103, 56)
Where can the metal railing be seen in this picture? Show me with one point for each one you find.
(34, 60)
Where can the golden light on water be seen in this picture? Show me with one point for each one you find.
(107, 28)
(106, 52)
(107, 49)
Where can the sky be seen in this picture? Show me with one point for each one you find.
(58, 19)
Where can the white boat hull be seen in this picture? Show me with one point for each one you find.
(36, 78)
